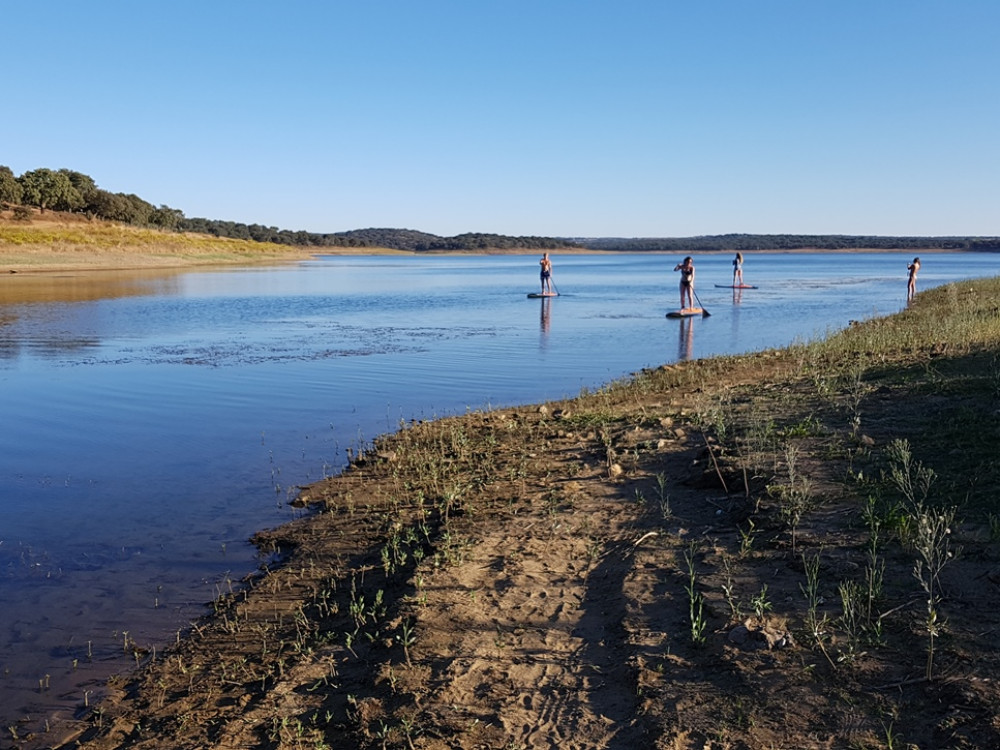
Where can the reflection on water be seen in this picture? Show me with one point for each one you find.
(54, 347)
(685, 340)
(546, 317)
(152, 421)
(38, 297)
(83, 286)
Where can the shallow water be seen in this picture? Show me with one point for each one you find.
(152, 422)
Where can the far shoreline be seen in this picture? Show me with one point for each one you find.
(59, 243)
(96, 261)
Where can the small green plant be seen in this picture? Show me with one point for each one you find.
(759, 603)
(747, 537)
(910, 477)
(852, 618)
(357, 608)
(932, 541)
(663, 496)
(807, 427)
(754, 446)
(856, 390)
(871, 515)
(927, 532)
(795, 498)
(696, 601)
(892, 739)
(874, 577)
(735, 610)
(408, 637)
(815, 625)
(410, 730)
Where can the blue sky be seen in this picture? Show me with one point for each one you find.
(581, 118)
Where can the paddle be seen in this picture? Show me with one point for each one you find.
(704, 313)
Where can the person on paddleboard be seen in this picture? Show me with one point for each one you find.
(686, 267)
(546, 273)
(738, 270)
(911, 283)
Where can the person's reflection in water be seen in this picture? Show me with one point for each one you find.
(734, 319)
(545, 320)
(685, 344)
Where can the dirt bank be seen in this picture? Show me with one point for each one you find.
(61, 242)
(790, 549)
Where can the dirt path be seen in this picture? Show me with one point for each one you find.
(528, 630)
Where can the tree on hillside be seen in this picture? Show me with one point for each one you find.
(84, 184)
(128, 209)
(47, 189)
(166, 217)
(10, 188)
(139, 211)
(107, 205)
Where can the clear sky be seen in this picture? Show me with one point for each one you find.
(578, 118)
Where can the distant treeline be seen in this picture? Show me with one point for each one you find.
(75, 192)
(396, 239)
(749, 242)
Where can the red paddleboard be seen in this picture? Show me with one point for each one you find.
(735, 286)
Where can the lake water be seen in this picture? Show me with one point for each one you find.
(150, 423)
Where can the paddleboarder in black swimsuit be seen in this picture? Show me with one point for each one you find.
(686, 267)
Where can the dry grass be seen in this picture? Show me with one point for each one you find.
(60, 242)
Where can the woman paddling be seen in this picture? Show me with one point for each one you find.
(686, 267)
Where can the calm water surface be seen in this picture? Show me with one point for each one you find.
(152, 422)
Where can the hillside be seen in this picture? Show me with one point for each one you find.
(53, 241)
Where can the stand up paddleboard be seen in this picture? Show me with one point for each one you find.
(536, 295)
(735, 286)
(686, 312)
